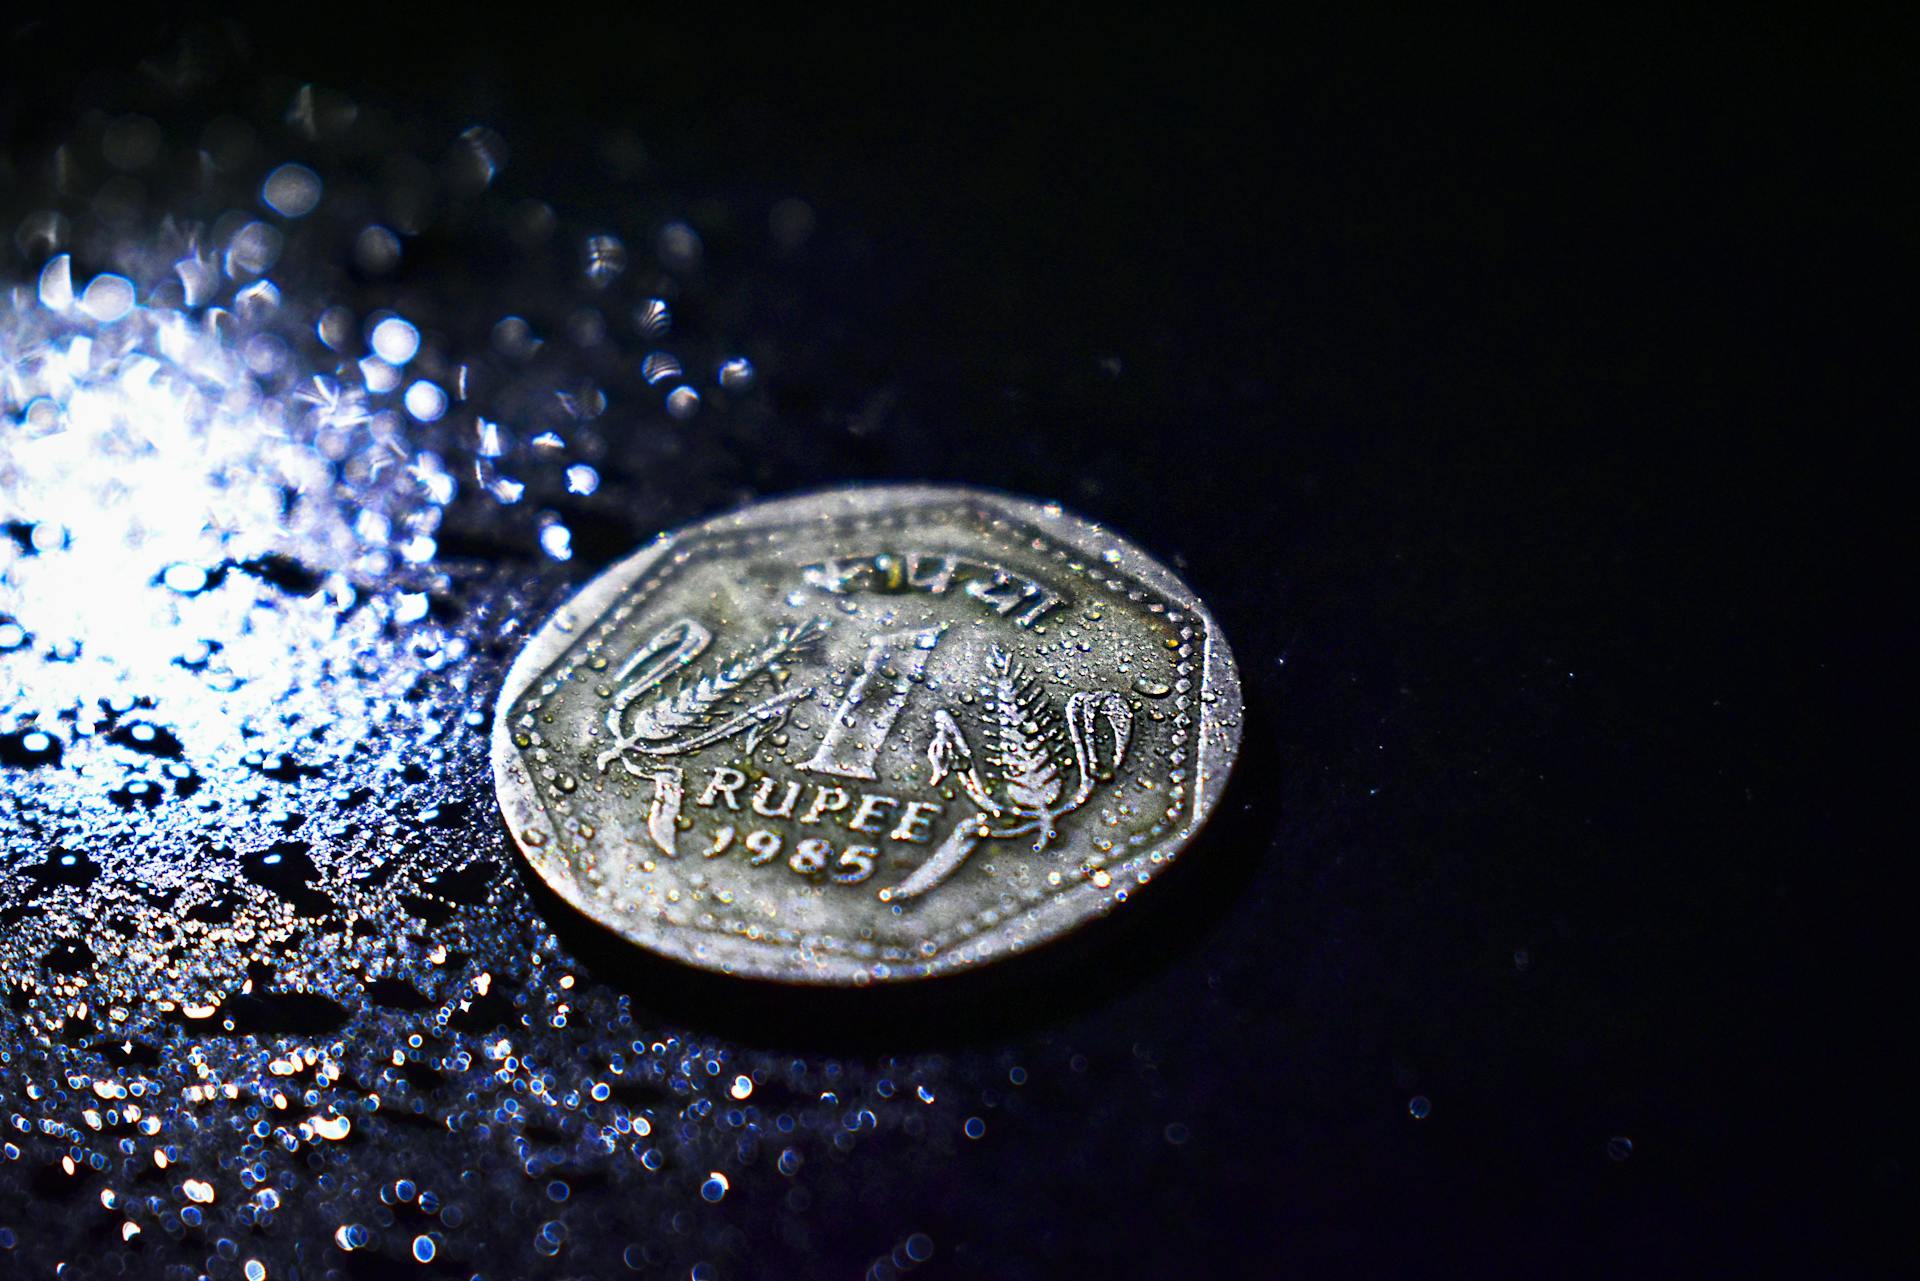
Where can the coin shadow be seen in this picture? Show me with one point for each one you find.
(1162, 928)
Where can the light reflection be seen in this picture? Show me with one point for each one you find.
(56, 283)
(736, 374)
(492, 441)
(683, 402)
(425, 401)
(680, 247)
(108, 298)
(395, 341)
(659, 366)
(378, 375)
(606, 259)
(253, 250)
(653, 318)
(228, 484)
(376, 251)
(293, 191)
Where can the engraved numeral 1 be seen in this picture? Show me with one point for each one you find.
(866, 714)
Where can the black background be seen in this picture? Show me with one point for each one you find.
(1527, 403)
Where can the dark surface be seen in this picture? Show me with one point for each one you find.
(1518, 401)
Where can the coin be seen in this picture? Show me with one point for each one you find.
(869, 734)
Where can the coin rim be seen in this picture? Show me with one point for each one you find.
(1216, 748)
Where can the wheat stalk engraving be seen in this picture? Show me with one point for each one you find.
(1028, 742)
(693, 716)
(1029, 751)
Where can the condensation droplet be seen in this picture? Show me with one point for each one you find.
(108, 298)
(292, 191)
(653, 318)
(426, 401)
(683, 402)
(56, 283)
(395, 341)
(680, 247)
(606, 259)
(376, 250)
(185, 579)
(736, 374)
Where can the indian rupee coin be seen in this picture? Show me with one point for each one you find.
(866, 735)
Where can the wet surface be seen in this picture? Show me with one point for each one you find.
(283, 497)
(334, 361)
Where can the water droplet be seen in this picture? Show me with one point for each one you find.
(395, 341)
(425, 401)
(660, 366)
(108, 298)
(253, 250)
(1418, 1107)
(185, 579)
(683, 402)
(479, 156)
(376, 250)
(653, 318)
(56, 283)
(679, 247)
(606, 259)
(736, 374)
(291, 191)
(514, 337)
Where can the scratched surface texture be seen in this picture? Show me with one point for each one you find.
(1506, 394)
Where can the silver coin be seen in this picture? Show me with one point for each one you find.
(864, 735)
